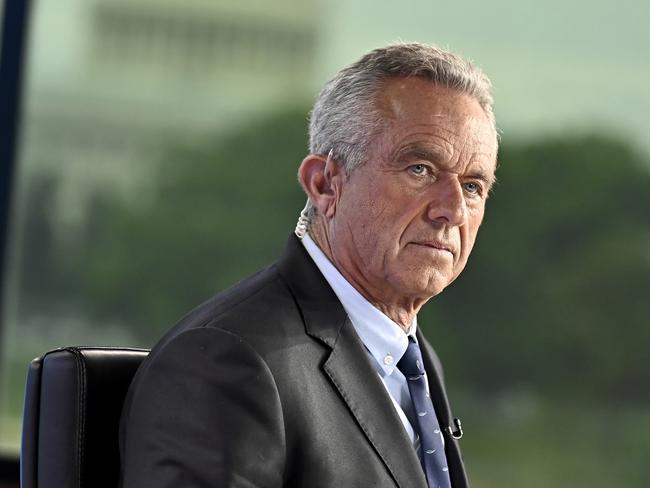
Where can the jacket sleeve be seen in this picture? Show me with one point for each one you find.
(203, 412)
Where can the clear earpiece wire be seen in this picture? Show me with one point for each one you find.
(303, 220)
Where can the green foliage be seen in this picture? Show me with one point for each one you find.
(221, 212)
(555, 295)
(544, 336)
(553, 300)
(558, 444)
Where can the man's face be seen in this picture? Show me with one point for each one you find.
(406, 220)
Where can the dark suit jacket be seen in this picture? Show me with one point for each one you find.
(268, 385)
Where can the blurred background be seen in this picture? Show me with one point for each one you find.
(157, 165)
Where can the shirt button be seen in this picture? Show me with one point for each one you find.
(388, 359)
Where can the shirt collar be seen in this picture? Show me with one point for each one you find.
(383, 338)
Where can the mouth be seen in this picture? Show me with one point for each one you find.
(435, 245)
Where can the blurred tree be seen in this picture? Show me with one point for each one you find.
(554, 299)
(36, 259)
(555, 296)
(39, 269)
(222, 211)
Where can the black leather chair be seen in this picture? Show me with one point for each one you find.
(73, 402)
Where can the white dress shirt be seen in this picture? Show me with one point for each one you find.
(384, 340)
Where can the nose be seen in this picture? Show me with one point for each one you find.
(447, 202)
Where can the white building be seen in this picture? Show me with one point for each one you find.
(112, 82)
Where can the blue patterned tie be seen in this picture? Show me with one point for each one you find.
(432, 451)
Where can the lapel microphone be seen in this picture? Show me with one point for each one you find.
(458, 433)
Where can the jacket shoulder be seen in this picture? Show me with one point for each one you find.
(256, 302)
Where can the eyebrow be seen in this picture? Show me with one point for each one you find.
(421, 151)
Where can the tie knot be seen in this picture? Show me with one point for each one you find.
(411, 362)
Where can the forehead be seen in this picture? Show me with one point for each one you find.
(416, 110)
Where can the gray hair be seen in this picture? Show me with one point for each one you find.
(345, 119)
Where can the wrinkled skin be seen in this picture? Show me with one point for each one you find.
(401, 227)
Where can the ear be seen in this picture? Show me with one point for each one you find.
(322, 179)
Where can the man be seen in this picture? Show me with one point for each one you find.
(313, 373)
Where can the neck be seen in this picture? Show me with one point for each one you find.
(402, 312)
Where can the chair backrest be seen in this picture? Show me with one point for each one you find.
(73, 403)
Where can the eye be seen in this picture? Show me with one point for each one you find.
(473, 188)
(419, 169)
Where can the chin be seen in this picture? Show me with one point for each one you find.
(427, 288)
(437, 284)
(432, 292)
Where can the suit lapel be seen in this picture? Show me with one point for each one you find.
(443, 412)
(366, 397)
(348, 367)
